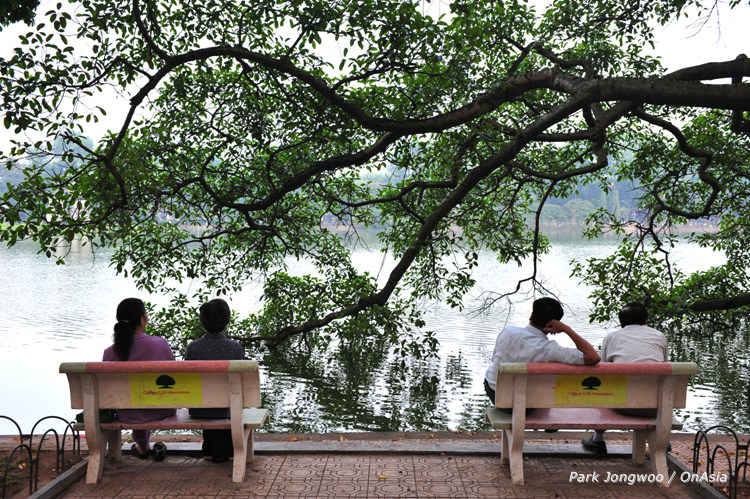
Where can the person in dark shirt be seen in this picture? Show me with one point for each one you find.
(213, 345)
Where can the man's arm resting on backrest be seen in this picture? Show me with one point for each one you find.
(590, 356)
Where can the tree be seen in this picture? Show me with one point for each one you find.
(249, 124)
(17, 10)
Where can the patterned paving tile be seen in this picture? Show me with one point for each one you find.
(151, 496)
(104, 489)
(294, 488)
(314, 462)
(385, 465)
(348, 459)
(85, 494)
(477, 461)
(440, 464)
(584, 491)
(432, 474)
(441, 488)
(342, 488)
(637, 492)
(143, 488)
(226, 493)
(299, 474)
(201, 488)
(499, 474)
(260, 476)
(392, 488)
(343, 466)
(344, 473)
(367, 476)
(489, 490)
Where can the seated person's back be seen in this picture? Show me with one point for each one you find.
(532, 344)
(213, 345)
(131, 343)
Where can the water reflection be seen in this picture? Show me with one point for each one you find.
(53, 314)
(721, 390)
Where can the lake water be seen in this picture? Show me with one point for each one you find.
(60, 313)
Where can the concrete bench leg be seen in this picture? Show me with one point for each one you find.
(513, 452)
(239, 441)
(97, 444)
(505, 452)
(250, 451)
(238, 469)
(639, 447)
(659, 460)
(96, 440)
(114, 442)
(657, 450)
(658, 439)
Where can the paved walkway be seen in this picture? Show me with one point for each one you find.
(409, 468)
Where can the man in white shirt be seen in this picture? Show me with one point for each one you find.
(531, 344)
(633, 342)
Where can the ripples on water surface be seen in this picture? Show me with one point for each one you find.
(53, 314)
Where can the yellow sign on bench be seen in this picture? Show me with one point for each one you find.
(583, 390)
(154, 389)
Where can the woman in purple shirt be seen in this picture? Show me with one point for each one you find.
(131, 343)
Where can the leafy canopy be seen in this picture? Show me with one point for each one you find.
(17, 10)
(253, 128)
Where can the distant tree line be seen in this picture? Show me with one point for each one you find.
(617, 196)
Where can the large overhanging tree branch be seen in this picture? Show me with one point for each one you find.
(248, 129)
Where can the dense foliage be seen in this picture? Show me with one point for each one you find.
(17, 10)
(252, 127)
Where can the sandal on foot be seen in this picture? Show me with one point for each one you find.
(160, 451)
(135, 452)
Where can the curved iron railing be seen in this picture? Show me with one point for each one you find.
(28, 449)
(734, 465)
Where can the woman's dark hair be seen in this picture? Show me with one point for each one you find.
(129, 314)
(215, 315)
(544, 310)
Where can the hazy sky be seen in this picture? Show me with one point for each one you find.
(722, 37)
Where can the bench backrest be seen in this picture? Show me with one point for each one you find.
(604, 385)
(164, 384)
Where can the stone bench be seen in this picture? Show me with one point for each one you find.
(584, 398)
(163, 385)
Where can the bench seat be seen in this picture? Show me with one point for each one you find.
(575, 419)
(251, 418)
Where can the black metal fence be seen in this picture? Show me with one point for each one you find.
(27, 446)
(721, 456)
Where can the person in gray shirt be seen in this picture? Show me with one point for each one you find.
(633, 342)
(213, 345)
